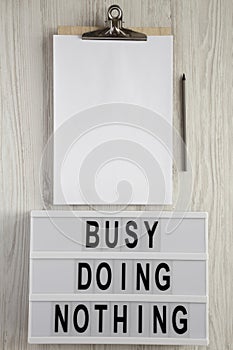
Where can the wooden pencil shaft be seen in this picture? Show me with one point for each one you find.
(184, 133)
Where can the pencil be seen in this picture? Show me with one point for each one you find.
(184, 122)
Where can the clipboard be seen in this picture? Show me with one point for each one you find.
(160, 178)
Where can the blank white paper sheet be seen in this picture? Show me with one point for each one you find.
(113, 121)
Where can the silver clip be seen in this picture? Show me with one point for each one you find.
(115, 30)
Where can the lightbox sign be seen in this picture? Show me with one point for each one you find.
(132, 278)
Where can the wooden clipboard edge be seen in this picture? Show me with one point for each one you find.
(79, 30)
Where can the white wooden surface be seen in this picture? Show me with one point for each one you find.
(203, 50)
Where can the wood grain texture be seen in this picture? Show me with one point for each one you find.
(203, 49)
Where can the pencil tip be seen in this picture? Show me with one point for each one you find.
(183, 77)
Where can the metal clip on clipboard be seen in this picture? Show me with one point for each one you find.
(115, 30)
